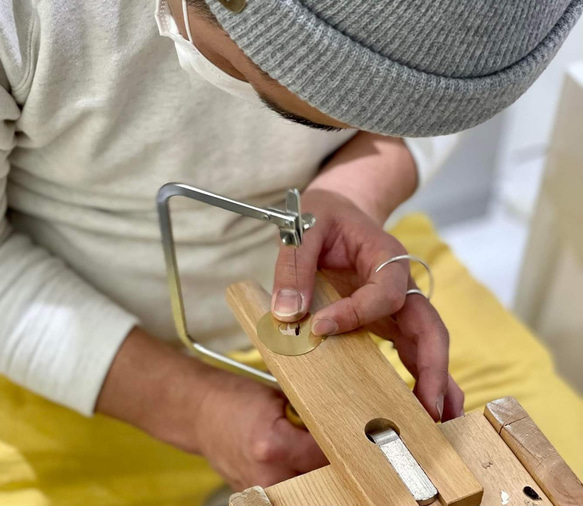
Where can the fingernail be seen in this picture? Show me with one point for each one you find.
(324, 327)
(439, 406)
(287, 303)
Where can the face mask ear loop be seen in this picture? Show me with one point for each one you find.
(186, 20)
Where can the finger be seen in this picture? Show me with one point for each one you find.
(303, 453)
(268, 475)
(454, 401)
(382, 296)
(388, 329)
(290, 451)
(420, 323)
(295, 273)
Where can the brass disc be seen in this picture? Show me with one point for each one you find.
(287, 338)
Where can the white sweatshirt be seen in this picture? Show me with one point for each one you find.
(96, 115)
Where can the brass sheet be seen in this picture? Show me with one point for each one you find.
(288, 338)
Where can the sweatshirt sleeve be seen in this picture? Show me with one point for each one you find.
(58, 335)
(430, 153)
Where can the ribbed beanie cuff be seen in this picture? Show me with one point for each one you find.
(408, 68)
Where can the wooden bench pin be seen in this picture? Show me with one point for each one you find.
(343, 389)
(383, 448)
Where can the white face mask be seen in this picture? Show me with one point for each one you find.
(193, 61)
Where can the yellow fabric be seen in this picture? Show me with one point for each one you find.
(51, 456)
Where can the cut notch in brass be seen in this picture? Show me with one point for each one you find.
(287, 338)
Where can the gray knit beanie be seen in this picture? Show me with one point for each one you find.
(410, 68)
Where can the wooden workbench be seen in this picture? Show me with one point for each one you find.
(496, 458)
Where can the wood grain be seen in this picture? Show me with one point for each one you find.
(342, 385)
(477, 443)
(321, 487)
(535, 452)
(491, 461)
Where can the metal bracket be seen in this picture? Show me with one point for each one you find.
(408, 469)
(292, 225)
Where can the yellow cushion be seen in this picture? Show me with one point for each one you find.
(52, 456)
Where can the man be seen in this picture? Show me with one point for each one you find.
(97, 114)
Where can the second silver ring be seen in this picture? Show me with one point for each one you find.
(412, 258)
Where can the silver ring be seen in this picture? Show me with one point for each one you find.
(419, 261)
(416, 291)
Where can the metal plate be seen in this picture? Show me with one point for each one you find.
(288, 338)
(406, 466)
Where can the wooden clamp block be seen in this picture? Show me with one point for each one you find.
(339, 388)
(535, 452)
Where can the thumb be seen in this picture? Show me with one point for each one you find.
(295, 274)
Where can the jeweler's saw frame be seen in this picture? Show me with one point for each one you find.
(292, 224)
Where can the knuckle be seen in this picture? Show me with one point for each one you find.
(416, 336)
(356, 316)
(435, 370)
(399, 248)
(441, 330)
(395, 299)
(263, 450)
(424, 369)
(431, 330)
(394, 245)
(458, 392)
(445, 334)
(420, 334)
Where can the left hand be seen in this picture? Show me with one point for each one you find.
(352, 245)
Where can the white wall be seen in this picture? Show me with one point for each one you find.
(502, 159)
(464, 187)
(527, 129)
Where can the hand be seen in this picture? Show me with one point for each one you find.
(237, 424)
(350, 245)
(244, 434)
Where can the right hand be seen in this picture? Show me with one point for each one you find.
(244, 434)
